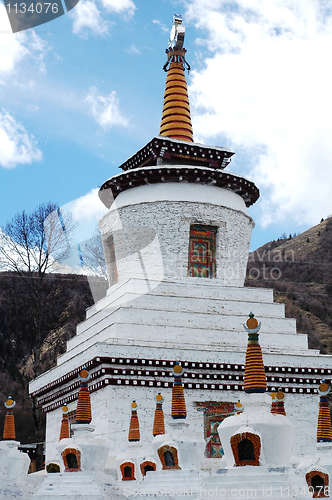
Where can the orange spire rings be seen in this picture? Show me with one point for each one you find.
(64, 431)
(9, 427)
(274, 402)
(254, 373)
(134, 434)
(83, 412)
(280, 406)
(178, 401)
(158, 422)
(324, 431)
(176, 120)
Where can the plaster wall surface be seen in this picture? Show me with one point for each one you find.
(151, 239)
(111, 415)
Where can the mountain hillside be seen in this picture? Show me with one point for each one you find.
(299, 270)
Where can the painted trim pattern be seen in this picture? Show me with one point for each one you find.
(324, 476)
(75, 452)
(144, 464)
(236, 439)
(174, 451)
(122, 469)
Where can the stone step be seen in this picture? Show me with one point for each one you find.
(70, 483)
(190, 288)
(203, 320)
(182, 338)
(191, 305)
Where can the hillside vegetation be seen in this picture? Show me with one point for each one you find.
(299, 270)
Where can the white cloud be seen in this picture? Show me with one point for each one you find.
(162, 25)
(266, 87)
(86, 17)
(32, 107)
(12, 49)
(133, 50)
(120, 6)
(87, 207)
(16, 145)
(105, 109)
(19, 47)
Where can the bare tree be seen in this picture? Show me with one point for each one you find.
(29, 245)
(92, 255)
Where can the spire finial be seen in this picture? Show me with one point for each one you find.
(324, 431)
(158, 422)
(9, 428)
(238, 407)
(176, 120)
(178, 401)
(64, 430)
(254, 374)
(134, 434)
(83, 412)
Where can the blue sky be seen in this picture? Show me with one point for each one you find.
(81, 94)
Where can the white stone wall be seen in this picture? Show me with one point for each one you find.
(151, 239)
(111, 416)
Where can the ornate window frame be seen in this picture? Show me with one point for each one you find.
(324, 476)
(144, 464)
(122, 469)
(206, 236)
(75, 452)
(174, 452)
(256, 441)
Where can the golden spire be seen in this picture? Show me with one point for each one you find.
(254, 373)
(64, 431)
(274, 402)
(178, 401)
(324, 431)
(176, 121)
(83, 411)
(158, 422)
(134, 434)
(280, 407)
(9, 428)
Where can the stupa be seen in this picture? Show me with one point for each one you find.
(176, 240)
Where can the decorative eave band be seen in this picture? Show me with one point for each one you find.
(169, 173)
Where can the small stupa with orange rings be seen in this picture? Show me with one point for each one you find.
(238, 407)
(324, 431)
(178, 401)
(9, 427)
(159, 421)
(274, 402)
(280, 403)
(64, 430)
(134, 434)
(254, 374)
(83, 411)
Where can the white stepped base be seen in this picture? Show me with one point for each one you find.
(190, 312)
(245, 482)
(73, 485)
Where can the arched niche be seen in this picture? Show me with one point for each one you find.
(128, 471)
(318, 483)
(72, 459)
(246, 448)
(52, 468)
(169, 457)
(147, 466)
